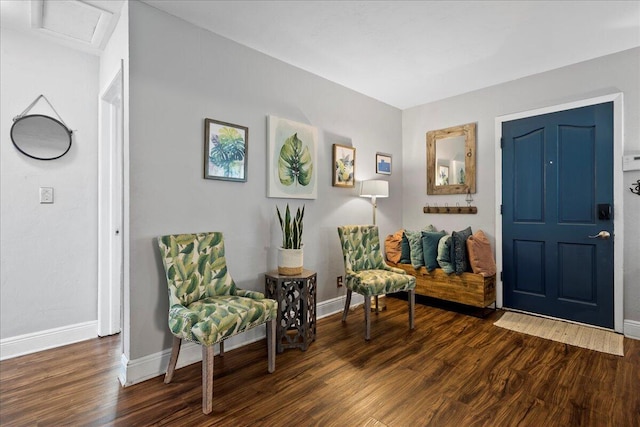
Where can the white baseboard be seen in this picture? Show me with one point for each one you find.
(138, 370)
(147, 367)
(44, 340)
(632, 329)
(336, 305)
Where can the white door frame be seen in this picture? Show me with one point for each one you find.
(618, 193)
(110, 208)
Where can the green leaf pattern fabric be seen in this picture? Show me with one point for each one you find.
(205, 305)
(366, 273)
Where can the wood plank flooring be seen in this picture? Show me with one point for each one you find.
(452, 370)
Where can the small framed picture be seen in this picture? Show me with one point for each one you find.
(225, 151)
(344, 166)
(383, 163)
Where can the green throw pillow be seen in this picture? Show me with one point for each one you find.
(444, 254)
(415, 245)
(430, 240)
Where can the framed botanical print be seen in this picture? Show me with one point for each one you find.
(225, 151)
(344, 166)
(291, 159)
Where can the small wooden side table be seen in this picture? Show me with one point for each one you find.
(296, 296)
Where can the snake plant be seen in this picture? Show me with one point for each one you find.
(291, 228)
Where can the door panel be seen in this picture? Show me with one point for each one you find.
(556, 169)
(577, 284)
(529, 264)
(529, 177)
(575, 195)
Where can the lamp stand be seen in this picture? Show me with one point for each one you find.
(375, 188)
(377, 303)
(375, 206)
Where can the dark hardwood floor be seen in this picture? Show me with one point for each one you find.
(452, 370)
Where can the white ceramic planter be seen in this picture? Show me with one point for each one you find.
(290, 261)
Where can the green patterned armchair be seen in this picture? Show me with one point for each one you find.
(205, 306)
(367, 274)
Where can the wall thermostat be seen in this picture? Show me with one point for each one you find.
(631, 161)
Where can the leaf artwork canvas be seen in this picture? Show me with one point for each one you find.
(292, 158)
(225, 155)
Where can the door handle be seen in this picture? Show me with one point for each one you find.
(604, 235)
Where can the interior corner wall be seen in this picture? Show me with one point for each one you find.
(181, 74)
(48, 262)
(601, 76)
(114, 56)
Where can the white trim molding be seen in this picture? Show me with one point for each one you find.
(632, 329)
(618, 192)
(153, 365)
(43, 340)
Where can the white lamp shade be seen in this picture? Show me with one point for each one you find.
(374, 188)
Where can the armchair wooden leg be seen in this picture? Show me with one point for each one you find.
(207, 379)
(271, 344)
(412, 308)
(347, 303)
(367, 318)
(171, 368)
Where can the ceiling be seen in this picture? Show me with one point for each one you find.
(403, 53)
(407, 53)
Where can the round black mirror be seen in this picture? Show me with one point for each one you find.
(41, 137)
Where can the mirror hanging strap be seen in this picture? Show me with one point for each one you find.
(19, 116)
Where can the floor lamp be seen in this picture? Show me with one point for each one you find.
(374, 189)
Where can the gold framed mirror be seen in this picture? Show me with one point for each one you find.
(451, 160)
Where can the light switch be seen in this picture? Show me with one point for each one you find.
(46, 194)
(631, 161)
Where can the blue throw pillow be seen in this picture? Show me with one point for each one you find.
(430, 240)
(459, 257)
(444, 254)
(405, 251)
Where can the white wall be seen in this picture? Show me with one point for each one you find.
(610, 74)
(180, 75)
(48, 257)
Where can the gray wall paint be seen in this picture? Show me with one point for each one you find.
(614, 73)
(179, 75)
(49, 255)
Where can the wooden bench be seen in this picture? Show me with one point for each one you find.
(466, 288)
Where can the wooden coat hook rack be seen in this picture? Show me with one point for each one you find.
(450, 209)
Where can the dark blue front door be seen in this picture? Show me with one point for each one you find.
(557, 174)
